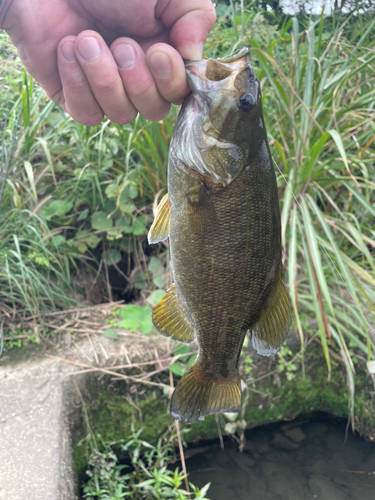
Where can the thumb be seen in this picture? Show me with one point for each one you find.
(189, 32)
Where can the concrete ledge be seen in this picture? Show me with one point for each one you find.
(35, 453)
(39, 404)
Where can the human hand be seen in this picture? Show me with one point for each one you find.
(113, 58)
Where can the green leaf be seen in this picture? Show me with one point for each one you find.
(83, 215)
(127, 207)
(140, 281)
(112, 190)
(99, 220)
(146, 325)
(192, 360)
(110, 332)
(156, 296)
(123, 222)
(136, 318)
(127, 192)
(58, 240)
(56, 208)
(131, 311)
(30, 175)
(84, 239)
(114, 233)
(338, 141)
(158, 272)
(138, 227)
(111, 256)
(133, 192)
(313, 156)
(177, 369)
(183, 349)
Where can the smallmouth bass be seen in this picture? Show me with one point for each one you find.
(222, 217)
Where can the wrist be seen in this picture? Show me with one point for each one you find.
(4, 6)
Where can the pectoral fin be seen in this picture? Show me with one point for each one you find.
(272, 327)
(159, 231)
(170, 319)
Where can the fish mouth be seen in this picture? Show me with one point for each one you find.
(203, 74)
(236, 56)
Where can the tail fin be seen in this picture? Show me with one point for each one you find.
(200, 394)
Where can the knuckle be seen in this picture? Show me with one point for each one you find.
(76, 85)
(57, 96)
(142, 90)
(210, 14)
(106, 86)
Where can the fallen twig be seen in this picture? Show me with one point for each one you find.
(182, 456)
(108, 372)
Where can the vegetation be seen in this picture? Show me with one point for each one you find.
(275, 390)
(149, 475)
(74, 197)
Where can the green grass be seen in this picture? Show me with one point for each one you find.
(321, 130)
(321, 92)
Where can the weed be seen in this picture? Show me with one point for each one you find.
(285, 364)
(148, 477)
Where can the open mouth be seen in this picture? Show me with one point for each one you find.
(204, 73)
(227, 59)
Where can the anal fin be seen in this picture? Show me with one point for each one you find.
(159, 231)
(270, 331)
(170, 319)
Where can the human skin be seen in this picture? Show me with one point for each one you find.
(113, 58)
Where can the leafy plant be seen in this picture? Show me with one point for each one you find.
(181, 366)
(148, 474)
(285, 364)
(136, 318)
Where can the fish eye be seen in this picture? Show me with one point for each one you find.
(246, 102)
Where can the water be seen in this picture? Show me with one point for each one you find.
(304, 460)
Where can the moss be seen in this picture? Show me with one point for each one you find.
(112, 416)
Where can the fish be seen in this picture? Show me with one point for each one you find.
(222, 217)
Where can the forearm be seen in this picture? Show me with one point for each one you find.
(4, 6)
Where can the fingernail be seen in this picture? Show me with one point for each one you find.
(89, 48)
(161, 64)
(124, 55)
(200, 50)
(67, 50)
